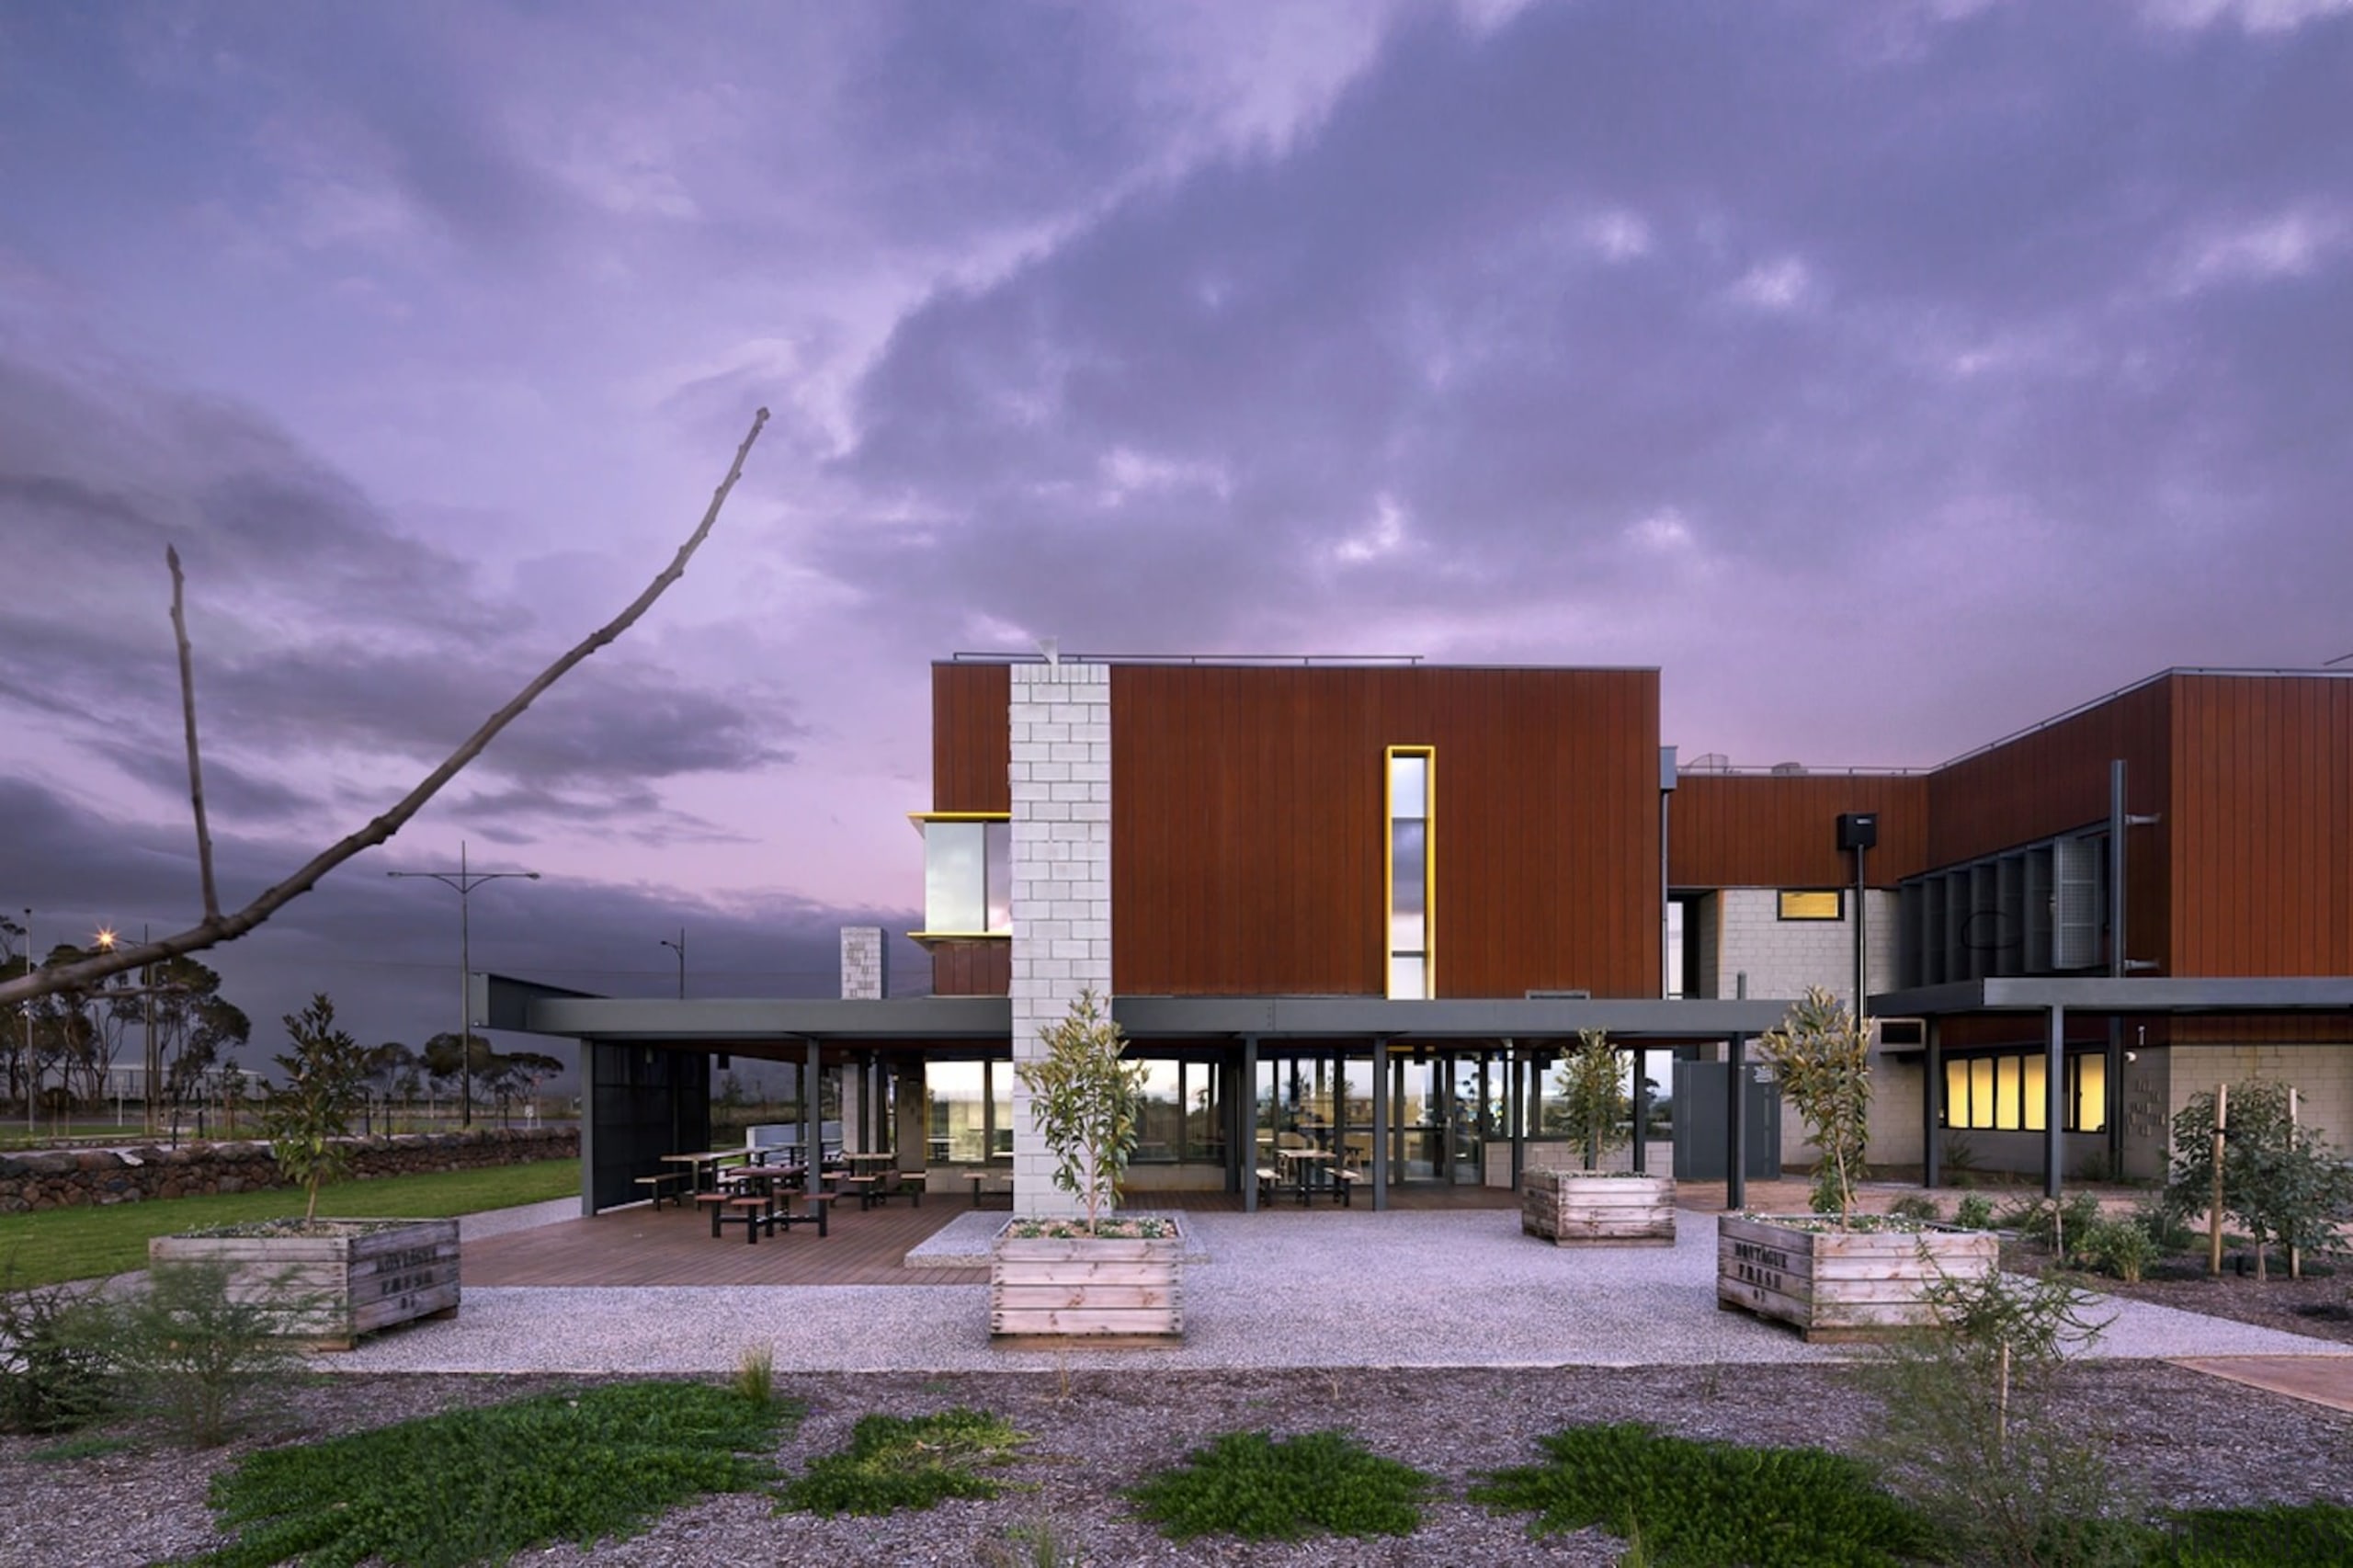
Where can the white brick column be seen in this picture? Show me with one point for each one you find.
(1061, 777)
(862, 978)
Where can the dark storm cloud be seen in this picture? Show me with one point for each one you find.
(320, 629)
(1539, 313)
(385, 950)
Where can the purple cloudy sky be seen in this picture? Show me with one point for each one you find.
(1892, 376)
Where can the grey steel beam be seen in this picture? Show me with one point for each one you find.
(1380, 1125)
(2102, 993)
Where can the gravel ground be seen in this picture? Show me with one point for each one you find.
(1444, 1339)
(1280, 1289)
(2180, 1439)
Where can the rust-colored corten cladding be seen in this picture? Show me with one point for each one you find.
(1248, 829)
(1753, 830)
(972, 748)
(2260, 824)
(972, 751)
(2055, 779)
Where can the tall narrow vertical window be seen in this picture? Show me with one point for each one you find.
(967, 874)
(1412, 794)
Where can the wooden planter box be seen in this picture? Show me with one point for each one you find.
(1087, 1287)
(1573, 1209)
(1840, 1285)
(329, 1289)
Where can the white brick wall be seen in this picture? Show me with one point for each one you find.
(2322, 1074)
(861, 963)
(1061, 777)
(1782, 957)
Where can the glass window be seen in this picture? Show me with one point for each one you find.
(2006, 1093)
(1981, 1093)
(1160, 1120)
(1409, 941)
(1813, 904)
(1001, 1096)
(2038, 1094)
(1957, 1095)
(2091, 1093)
(968, 876)
(955, 1112)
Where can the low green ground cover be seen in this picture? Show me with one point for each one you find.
(1705, 1503)
(1262, 1488)
(474, 1484)
(896, 1462)
(84, 1244)
(2282, 1536)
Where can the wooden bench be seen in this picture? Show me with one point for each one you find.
(913, 1182)
(657, 1187)
(716, 1202)
(1268, 1179)
(814, 1207)
(863, 1186)
(992, 1181)
(1344, 1186)
(751, 1213)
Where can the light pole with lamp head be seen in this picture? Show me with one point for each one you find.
(679, 948)
(465, 879)
(26, 931)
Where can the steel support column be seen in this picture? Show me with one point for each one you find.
(1380, 1111)
(1641, 1111)
(1247, 1123)
(1932, 1108)
(813, 1093)
(2055, 1083)
(1736, 1122)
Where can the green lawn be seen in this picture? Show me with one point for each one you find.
(83, 1243)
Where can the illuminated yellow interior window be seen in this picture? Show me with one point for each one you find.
(1813, 904)
(2038, 1094)
(2091, 1094)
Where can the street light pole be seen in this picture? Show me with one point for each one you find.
(465, 879)
(679, 948)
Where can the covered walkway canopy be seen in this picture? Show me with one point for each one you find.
(2112, 996)
(636, 1093)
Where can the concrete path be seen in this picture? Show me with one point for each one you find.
(1280, 1289)
(2317, 1380)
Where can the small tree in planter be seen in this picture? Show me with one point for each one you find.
(1085, 1098)
(2279, 1178)
(326, 1280)
(1841, 1276)
(1100, 1276)
(1566, 1207)
(1821, 1055)
(309, 1119)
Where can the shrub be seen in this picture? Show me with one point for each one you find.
(896, 1463)
(2059, 1226)
(54, 1367)
(1916, 1206)
(194, 1353)
(1974, 1212)
(2168, 1229)
(1967, 1421)
(476, 1484)
(1707, 1504)
(756, 1376)
(2118, 1247)
(1262, 1488)
(2281, 1180)
(2278, 1536)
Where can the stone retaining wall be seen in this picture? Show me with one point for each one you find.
(72, 1178)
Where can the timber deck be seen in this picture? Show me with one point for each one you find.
(638, 1246)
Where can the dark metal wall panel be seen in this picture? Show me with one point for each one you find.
(972, 751)
(1247, 829)
(2055, 778)
(972, 969)
(647, 1103)
(1748, 830)
(2261, 827)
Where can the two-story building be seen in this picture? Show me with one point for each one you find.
(1362, 904)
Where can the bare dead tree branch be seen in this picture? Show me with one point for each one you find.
(188, 714)
(216, 928)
